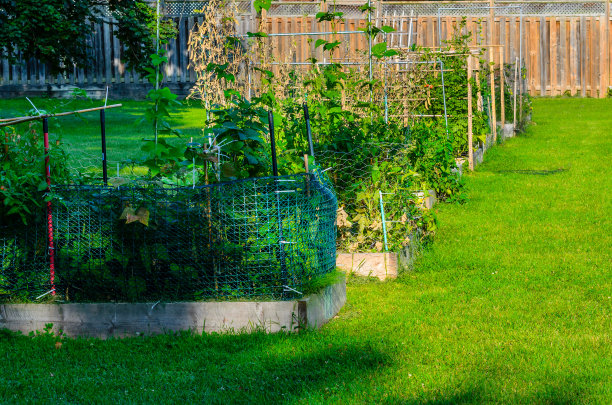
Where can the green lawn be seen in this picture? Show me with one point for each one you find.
(124, 127)
(511, 304)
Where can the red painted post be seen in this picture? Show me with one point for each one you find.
(49, 211)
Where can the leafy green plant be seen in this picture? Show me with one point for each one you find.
(161, 158)
(22, 172)
(455, 90)
(241, 129)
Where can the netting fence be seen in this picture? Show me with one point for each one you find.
(265, 238)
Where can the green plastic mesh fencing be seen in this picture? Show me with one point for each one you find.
(264, 238)
(374, 179)
(24, 259)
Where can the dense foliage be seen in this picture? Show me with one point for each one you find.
(367, 153)
(382, 169)
(57, 31)
(22, 173)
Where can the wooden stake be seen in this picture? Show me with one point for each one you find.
(493, 107)
(479, 101)
(469, 103)
(493, 116)
(502, 81)
(516, 78)
(19, 120)
(607, 56)
(491, 20)
(522, 88)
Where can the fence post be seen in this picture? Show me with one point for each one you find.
(384, 221)
(491, 20)
(492, 68)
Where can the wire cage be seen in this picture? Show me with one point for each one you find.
(264, 238)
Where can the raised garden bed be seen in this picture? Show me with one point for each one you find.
(387, 265)
(105, 320)
(380, 265)
(258, 239)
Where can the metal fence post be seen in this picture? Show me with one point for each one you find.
(45, 122)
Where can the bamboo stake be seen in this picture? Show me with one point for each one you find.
(469, 106)
(4, 122)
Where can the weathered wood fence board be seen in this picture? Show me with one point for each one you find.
(567, 54)
(562, 55)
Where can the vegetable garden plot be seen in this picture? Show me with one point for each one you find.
(261, 237)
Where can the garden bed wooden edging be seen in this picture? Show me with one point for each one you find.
(387, 265)
(106, 320)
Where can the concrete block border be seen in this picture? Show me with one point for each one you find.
(106, 320)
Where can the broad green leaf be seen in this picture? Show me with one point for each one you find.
(320, 42)
(262, 5)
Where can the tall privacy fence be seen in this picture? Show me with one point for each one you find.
(268, 238)
(565, 45)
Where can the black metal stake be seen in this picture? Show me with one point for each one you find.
(281, 248)
(103, 132)
(272, 143)
(308, 130)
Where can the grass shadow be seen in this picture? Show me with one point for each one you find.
(212, 368)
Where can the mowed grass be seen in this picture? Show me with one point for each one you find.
(511, 304)
(125, 128)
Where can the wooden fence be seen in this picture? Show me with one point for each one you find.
(562, 55)
(566, 54)
(105, 69)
